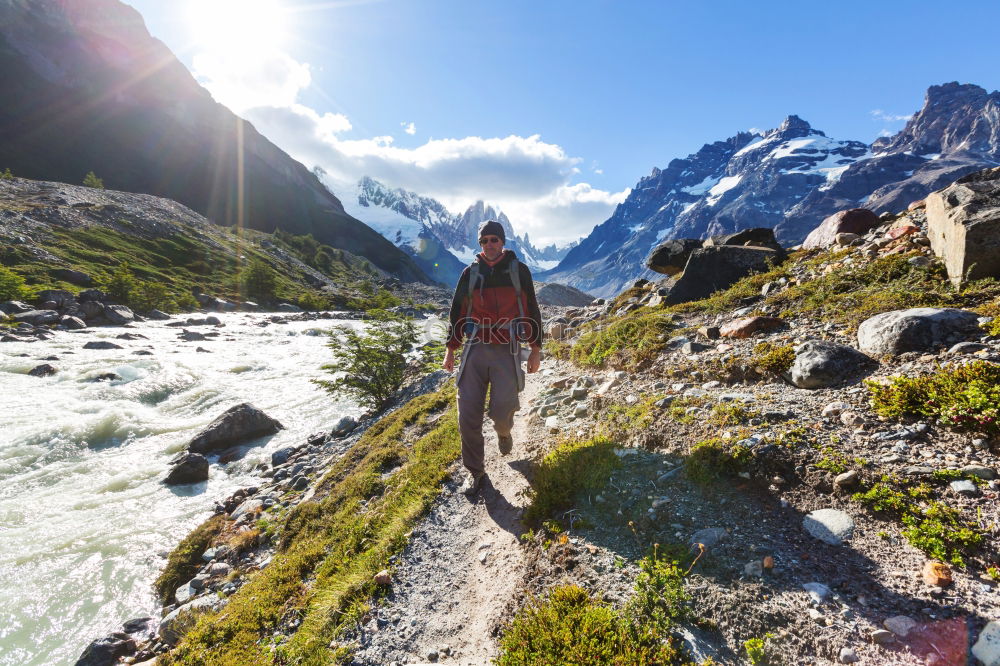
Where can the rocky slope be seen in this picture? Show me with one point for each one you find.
(88, 89)
(789, 178)
(813, 526)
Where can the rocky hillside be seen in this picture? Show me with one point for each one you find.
(86, 88)
(802, 468)
(59, 236)
(789, 178)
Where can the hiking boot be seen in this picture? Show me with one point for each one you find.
(506, 443)
(473, 484)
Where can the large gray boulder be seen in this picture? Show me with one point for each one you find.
(963, 222)
(854, 221)
(561, 295)
(108, 650)
(187, 468)
(670, 257)
(14, 307)
(60, 297)
(236, 425)
(755, 237)
(916, 329)
(73, 277)
(91, 309)
(118, 315)
(819, 364)
(72, 323)
(37, 317)
(710, 269)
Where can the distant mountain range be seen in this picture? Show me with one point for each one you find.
(442, 243)
(86, 88)
(789, 178)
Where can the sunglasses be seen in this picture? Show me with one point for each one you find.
(488, 240)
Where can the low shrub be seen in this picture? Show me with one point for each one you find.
(185, 560)
(963, 397)
(716, 458)
(932, 527)
(12, 287)
(569, 627)
(572, 467)
(625, 342)
(771, 359)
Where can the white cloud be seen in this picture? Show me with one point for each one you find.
(528, 178)
(882, 116)
(245, 79)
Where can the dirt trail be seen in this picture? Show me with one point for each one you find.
(462, 567)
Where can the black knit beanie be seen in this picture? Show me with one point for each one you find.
(492, 228)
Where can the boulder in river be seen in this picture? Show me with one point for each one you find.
(101, 344)
(72, 323)
(187, 468)
(37, 317)
(118, 315)
(158, 315)
(108, 650)
(236, 425)
(43, 370)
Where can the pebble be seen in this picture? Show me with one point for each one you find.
(852, 419)
(900, 625)
(819, 592)
(848, 656)
(835, 409)
(882, 637)
(963, 487)
(831, 526)
(708, 537)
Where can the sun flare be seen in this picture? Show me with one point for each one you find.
(237, 25)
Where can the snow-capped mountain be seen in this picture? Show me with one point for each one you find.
(748, 180)
(789, 178)
(441, 242)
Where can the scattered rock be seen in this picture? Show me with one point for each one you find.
(852, 419)
(158, 315)
(118, 315)
(985, 473)
(882, 637)
(853, 221)
(819, 592)
(937, 574)
(383, 578)
(744, 328)
(754, 568)
(848, 656)
(708, 537)
(987, 647)
(72, 323)
(963, 487)
(281, 456)
(820, 364)
(900, 625)
(847, 480)
(101, 344)
(834, 409)
(916, 329)
(829, 525)
(344, 426)
(174, 623)
(236, 425)
(187, 468)
(710, 332)
(43, 370)
(107, 650)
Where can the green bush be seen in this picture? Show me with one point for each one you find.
(714, 459)
(756, 649)
(932, 527)
(571, 467)
(12, 287)
(258, 281)
(120, 285)
(626, 342)
(568, 627)
(372, 359)
(964, 397)
(6, 174)
(91, 180)
(769, 358)
(660, 599)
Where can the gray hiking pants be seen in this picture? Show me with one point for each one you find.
(490, 366)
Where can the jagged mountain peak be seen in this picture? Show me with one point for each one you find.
(793, 125)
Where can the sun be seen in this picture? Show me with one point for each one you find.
(228, 26)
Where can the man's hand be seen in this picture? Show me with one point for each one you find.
(449, 360)
(534, 359)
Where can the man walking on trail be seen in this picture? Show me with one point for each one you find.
(495, 309)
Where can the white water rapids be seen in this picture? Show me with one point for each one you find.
(85, 522)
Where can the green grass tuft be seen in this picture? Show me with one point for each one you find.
(714, 459)
(572, 467)
(185, 560)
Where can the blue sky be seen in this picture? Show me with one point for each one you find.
(552, 110)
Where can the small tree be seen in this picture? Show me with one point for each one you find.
(6, 174)
(91, 180)
(121, 285)
(372, 359)
(11, 285)
(259, 281)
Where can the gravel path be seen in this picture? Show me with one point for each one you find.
(453, 585)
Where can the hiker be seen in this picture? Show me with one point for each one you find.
(495, 310)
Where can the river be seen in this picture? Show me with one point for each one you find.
(85, 522)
